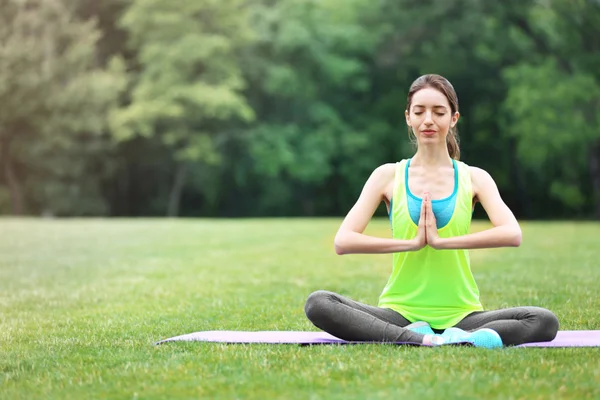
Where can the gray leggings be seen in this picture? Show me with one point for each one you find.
(354, 321)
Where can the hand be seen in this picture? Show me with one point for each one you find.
(421, 238)
(433, 237)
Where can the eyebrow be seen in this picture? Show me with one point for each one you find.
(438, 106)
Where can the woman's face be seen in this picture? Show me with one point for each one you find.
(430, 116)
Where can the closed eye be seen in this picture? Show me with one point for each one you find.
(421, 112)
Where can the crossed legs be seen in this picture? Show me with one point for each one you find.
(354, 321)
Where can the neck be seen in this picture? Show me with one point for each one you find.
(432, 156)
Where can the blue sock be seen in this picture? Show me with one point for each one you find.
(421, 327)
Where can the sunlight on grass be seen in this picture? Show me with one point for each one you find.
(83, 301)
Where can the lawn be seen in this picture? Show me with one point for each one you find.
(83, 301)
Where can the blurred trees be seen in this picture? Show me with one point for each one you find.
(188, 87)
(553, 101)
(261, 107)
(55, 100)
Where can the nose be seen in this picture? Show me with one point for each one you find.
(428, 118)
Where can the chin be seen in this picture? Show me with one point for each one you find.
(434, 138)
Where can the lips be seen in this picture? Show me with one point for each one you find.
(428, 132)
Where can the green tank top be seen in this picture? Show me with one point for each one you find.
(431, 285)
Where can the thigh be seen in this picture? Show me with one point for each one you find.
(478, 319)
(384, 314)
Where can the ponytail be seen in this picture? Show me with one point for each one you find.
(452, 141)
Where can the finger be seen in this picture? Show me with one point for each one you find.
(423, 217)
(427, 203)
(429, 206)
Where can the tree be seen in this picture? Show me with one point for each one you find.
(187, 88)
(553, 104)
(309, 81)
(54, 101)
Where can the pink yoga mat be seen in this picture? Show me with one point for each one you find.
(563, 339)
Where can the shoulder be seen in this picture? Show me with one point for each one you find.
(384, 171)
(382, 178)
(480, 179)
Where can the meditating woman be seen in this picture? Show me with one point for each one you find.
(431, 297)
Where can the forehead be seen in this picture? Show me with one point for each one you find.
(429, 97)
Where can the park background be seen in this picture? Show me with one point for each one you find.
(254, 108)
(258, 122)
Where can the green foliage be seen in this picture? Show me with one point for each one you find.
(309, 81)
(189, 82)
(288, 105)
(54, 106)
(553, 114)
(552, 103)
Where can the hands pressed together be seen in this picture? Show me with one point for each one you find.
(427, 233)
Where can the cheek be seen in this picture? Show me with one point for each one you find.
(445, 121)
(416, 120)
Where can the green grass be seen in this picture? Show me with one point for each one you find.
(83, 301)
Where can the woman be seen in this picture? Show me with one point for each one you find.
(430, 199)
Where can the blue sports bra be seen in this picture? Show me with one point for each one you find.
(442, 209)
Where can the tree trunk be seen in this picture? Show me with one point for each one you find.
(595, 176)
(177, 190)
(307, 200)
(308, 206)
(519, 180)
(14, 186)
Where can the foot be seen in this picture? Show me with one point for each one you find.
(486, 338)
(421, 327)
(433, 340)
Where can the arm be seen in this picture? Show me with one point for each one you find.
(505, 232)
(350, 238)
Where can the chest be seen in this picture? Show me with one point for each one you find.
(439, 184)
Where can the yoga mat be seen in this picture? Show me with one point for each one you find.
(563, 339)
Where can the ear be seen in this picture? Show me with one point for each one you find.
(454, 120)
(407, 117)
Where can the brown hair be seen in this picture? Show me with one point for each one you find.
(443, 85)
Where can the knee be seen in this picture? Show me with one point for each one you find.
(316, 304)
(548, 324)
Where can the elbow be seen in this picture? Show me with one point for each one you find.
(516, 238)
(339, 245)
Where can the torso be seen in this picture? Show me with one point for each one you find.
(428, 284)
